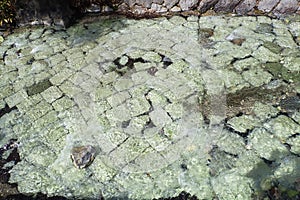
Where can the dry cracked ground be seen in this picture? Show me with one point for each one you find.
(205, 105)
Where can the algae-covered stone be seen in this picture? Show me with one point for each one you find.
(294, 142)
(233, 81)
(257, 77)
(51, 94)
(266, 145)
(288, 172)
(243, 123)
(232, 186)
(282, 127)
(264, 111)
(16, 98)
(132, 89)
(292, 64)
(265, 55)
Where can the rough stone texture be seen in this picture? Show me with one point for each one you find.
(286, 6)
(64, 12)
(187, 4)
(170, 3)
(226, 5)
(245, 6)
(266, 5)
(201, 104)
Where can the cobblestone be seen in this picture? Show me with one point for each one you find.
(170, 104)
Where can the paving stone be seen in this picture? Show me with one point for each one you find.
(16, 98)
(160, 117)
(282, 127)
(118, 98)
(264, 111)
(123, 84)
(148, 95)
(257, 77)
(51, 94)
(266, 145)
(61, 76)
(62, 103)
(138, 106)
(243, 123)
(69, 89)
(265, 55)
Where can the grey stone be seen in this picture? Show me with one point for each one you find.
(266, 5)
(143, 3)
(187, 4)
(245, 6)
(205, 5)
(226, 5)
(170, 3)
(287, 7)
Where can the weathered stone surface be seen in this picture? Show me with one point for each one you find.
(287, 6)
(266, 5)
(187, 4)
(205, 5)
(170, 3)
(152, 96)
(245, 6)
(226, 5)
(64, 13)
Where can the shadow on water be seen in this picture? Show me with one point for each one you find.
(92, 27)
(278, 179)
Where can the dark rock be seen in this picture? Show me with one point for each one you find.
(49, 12)
(226, 5)
(267, 5)
(245, 7)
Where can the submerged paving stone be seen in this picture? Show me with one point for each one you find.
(150, 96)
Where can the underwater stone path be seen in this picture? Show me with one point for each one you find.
(170, 104)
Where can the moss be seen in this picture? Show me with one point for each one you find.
(7, 12)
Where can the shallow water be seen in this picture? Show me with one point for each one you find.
(207, 105)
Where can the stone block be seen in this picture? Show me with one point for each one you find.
(287, 6)
(205, 5)
(245, 6)
(170, 3)
(187, 4)
(226, 5)
(267, 5)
